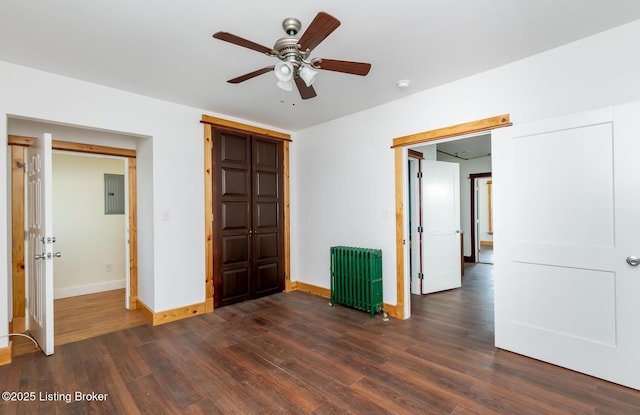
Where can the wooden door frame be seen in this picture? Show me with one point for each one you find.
(209, 122)
(472, 179)
(17, 144)
(399, 147)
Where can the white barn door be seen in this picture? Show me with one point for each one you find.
(40, 243)
(567, 226)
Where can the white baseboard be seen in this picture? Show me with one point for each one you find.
(88, 289)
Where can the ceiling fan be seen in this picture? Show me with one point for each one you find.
(294, 53)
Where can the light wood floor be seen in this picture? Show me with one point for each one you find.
(292, 353)
(85, 316)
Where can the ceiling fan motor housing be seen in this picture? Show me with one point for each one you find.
(291, 26)
(287, 50)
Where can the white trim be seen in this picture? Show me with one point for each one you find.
(88, 289)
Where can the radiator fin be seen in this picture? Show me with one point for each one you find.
(356, 278)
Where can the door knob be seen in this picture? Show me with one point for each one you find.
(634, 261)
(39, 256)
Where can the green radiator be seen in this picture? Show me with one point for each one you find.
(356, 278)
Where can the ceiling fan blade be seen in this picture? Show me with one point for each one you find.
(306, 92)
(354, 68)
(251, 75)
(237, 40)
(321, 27)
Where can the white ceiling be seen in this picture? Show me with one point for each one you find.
(467, 148)
(165, 49)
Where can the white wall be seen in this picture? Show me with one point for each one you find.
(170, 175)
(467, 167)
(343, 171)
(92, 243)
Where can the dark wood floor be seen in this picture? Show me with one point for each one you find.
(293, 353)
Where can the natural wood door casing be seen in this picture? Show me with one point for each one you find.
(17, 238)
(247, 216)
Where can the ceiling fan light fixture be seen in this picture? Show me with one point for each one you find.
(308, 75)
(284, 71)
(285, 85)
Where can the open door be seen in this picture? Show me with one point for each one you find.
(566, 203)
(415, 224)
(40, 243)
(441, 231)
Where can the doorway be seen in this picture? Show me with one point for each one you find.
(213, 232)
(400, 146)
(248, 216)
(481, 219)
(127, 157)
(82, 213)
(471, 154)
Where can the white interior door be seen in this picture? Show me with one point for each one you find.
(566, 206)
(40, 243)
(441, 219)
(416, 242)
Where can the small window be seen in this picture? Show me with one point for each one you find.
(113, 194)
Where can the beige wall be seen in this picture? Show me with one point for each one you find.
(92, 243)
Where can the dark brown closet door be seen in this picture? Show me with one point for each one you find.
(231, 217)
(267, 216)
(247, 210)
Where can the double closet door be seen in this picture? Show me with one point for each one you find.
(248, 216)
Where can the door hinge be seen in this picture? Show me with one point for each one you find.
(420, 276)
(419, 175)
(420, 229)
(23, 166)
